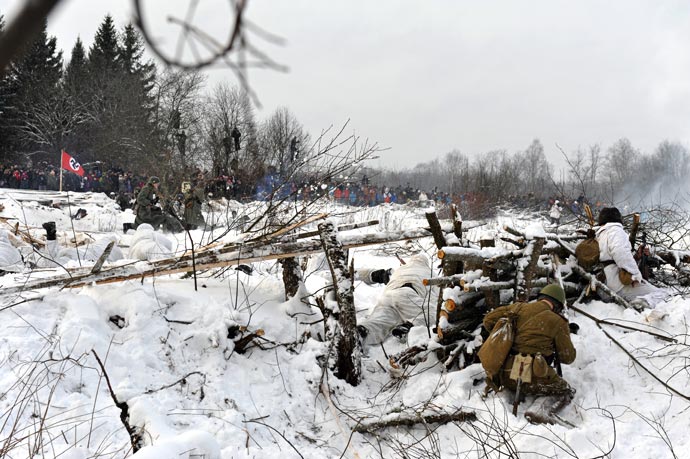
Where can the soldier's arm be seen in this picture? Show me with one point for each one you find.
(564, 346)
(492, 317)
(621, 252)
(143, 198)
(199, 193)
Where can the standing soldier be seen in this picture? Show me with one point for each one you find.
(555, 213)
(193, 199)
(235, 134)
(149, 210)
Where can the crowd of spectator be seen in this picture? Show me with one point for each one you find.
(123, 185)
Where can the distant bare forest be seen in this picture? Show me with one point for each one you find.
(108, 104)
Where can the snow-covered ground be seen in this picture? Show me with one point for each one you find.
(167, 354)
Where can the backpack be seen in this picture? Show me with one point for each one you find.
(587, 251)
(496, 348)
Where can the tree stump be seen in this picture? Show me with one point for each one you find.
(292, 276)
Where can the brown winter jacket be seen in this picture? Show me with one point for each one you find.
(539, 329)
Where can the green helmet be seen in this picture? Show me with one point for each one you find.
(555, 292)
(153, 179)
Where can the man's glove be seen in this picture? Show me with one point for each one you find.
(573, 328)
(381, 276)
(401, 330)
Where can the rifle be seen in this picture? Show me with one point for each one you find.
(516, 402)
(557, 363)
(643, 262)
(590, 216)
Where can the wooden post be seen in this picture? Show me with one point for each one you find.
(457, 221)
(292, 276)
(492, 298)
(633, 230)
(347, 345)
(526, 271)
(436, 230)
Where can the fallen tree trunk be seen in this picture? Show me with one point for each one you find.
(401, 419)
(206, 260)
(347, 227)
(601, 286)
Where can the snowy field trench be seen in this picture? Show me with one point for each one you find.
(169, 354)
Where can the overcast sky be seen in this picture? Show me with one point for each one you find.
(426, 77)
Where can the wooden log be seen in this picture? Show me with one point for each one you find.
(464, 307)
(633, 229)
(518, 243)
(104, 256)
(445, 281)
(456, 280)
(476, 258)
(514, 232)
(601, 286)
(463, 328)
(559, 250)
(436, 231)
(549, 236)
(288, 228)
(457, 221)
(347, 345)
(409, 420)
(408, 356)
(489, 286)
(349, 226)
(491, 297)
(292, 276)
(485, 243)
(450, 267)
(526, 273)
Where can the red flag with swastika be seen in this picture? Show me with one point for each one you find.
(71, 164)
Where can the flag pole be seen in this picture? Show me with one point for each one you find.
(61, 170)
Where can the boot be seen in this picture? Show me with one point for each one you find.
(561, 402)
(51, 232)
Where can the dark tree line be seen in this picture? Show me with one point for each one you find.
(95, 107)
(110, 104)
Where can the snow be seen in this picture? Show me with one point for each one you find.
(195, 396)
(535, 230)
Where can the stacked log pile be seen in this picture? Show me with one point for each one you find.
(511, 266)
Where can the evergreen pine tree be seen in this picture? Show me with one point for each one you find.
(32, 88)
(138, 79)
(103, 90)
(104, 53)
(76, 101)
(4, 131)
(76, 71)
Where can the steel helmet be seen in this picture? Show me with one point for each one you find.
(555, 292)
